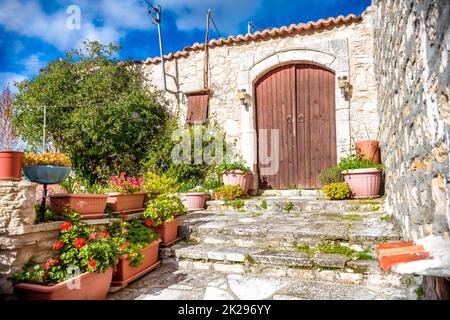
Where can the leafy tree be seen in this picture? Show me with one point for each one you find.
(97, 112)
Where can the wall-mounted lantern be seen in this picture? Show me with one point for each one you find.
(346, 87)
(244, 97)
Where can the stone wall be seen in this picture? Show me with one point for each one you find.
(346, 49)
(20, 238)
(412, 43)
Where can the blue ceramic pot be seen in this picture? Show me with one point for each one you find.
(46, 174)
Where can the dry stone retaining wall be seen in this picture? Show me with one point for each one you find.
(412, 43)
(20, 238)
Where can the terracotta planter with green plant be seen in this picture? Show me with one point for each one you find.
(138, 251)
(10, 160)
(162, 215)
(81, 269)
(236, 173)
(125, 194)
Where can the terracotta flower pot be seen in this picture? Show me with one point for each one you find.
(125, 273)
(11, 165)
(168, 231)
(237, 178)
(363, 183)
(369, 150)
(126, 202)
(92, 286)
(89, 206)
(196, 200)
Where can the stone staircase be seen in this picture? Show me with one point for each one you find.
(299, 238)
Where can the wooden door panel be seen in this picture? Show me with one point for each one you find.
(298, 100)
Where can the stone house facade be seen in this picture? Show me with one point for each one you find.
(341, 46)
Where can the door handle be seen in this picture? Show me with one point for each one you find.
(289, 119)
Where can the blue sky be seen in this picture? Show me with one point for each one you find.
(34, 32)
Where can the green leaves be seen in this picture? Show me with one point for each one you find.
(164, 209)
(337, 191)
(97, 112)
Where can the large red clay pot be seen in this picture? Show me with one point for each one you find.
(237, 178)
(368, 150)
(196, 200)
(125, 273)
(89, 206)
(126, 202)
(363, 183)
(93, 286)
(168, 231)
(11, 165)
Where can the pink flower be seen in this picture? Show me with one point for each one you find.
(92, 236)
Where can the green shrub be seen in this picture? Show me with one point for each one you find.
(337, 191)
(131, 237)
(354, 162)
(237, 204)
(330, 175)
(160, 184)
(233, 166)
(164, 209)
(212, 184)
(104, 120)
(230, 192)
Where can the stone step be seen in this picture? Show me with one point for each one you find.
(169, 283)
(298, 204)
(304, 193)
(283, 264)
(266, 229)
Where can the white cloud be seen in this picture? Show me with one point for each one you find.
(9, 78)
(28, 18)
(191, 14)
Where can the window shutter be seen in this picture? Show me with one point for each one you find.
(197, 111)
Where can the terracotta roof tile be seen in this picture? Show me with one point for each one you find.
(267, 33)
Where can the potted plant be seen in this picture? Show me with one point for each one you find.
(81, 269)
(162, 214)
(362, 176)
(236, 173)
(46, 168)
(368, 150)
(90, 204)
(138, 251)
(196, 199)
(10, 160)
(126, 194)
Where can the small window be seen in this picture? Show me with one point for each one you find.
(197, 111)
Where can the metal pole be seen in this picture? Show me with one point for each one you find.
(205, 63)
(44, 138)
(161, 50)
(43, 204)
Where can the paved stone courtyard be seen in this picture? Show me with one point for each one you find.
(268, 250)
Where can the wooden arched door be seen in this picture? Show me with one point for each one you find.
(299, 101)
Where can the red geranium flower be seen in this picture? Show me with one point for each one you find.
(58, 244)
(104, 235)
(92, 263)
(65, 226)
(124, 217)
(49, 263)
(79, 243)
(148, 223)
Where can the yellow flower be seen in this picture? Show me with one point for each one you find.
(47, 159)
